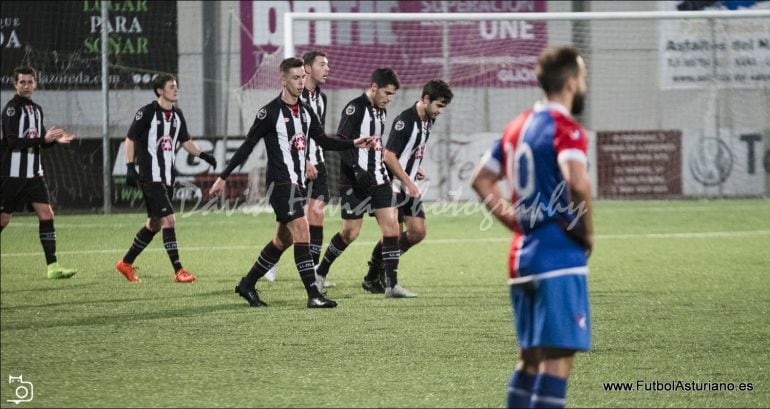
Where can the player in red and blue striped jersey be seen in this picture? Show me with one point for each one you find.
(543, 159)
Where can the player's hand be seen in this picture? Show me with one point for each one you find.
(360, 180)
(310, 171)
(413, 190)
(217, 188)
(132, 178)
(51, 135)
(365, 142)
(65, 138)
(209, 158)
(420, 174)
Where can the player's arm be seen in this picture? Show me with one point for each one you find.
(399, 136)
(132, 177)
(193, 149)
(258, 130)
(575, 173)
(331, 143)
(391, 161)
(11, 131)
(189, 145)
(484, 181)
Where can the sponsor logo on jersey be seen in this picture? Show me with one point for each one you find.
(350, 110)
(139, 115)
(11, 111)
(399, 125)
(262, 113)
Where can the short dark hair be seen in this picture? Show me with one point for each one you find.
(289, 63)
(310, 56)
(554, 66)
(436, 89)
(160, 81)
(384, 77)
(24, 70)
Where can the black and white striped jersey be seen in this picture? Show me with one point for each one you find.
(316, 99)
(285, 129)
(22, 137)
(155, 132)
(360, 118)
(408, 138)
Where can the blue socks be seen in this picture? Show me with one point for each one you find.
(520, 389)
(548, 392)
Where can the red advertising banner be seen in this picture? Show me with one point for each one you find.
(479, 53)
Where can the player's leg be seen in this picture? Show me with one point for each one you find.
(315, 218)
(550, 387)
(352, 209)
(142, 239)
(153, 198)
(390, 253)
(348, 233)
(164, 211)
(520, 386)
(374, 281)
(8, 200)
(300, 233)
(413, 216)
(5, 218)
(266, 260)
(563, 327)
(37, 191)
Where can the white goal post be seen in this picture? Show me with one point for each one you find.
(677, 103)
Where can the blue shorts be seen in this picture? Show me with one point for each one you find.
(553, 313)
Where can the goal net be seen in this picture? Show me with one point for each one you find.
(677, 103)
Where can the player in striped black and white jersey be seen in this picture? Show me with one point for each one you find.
(152, 139)
(365, 185)
(317, 71)
(404, 152)
(21, 170)
(284, 124)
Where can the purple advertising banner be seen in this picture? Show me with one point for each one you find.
(480, 53)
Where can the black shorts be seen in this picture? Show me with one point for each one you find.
(354, 207)
(157, 198)
(408, 206)
(18, 192)
(319, 189)
(288, 202)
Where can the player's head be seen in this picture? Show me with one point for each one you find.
(316, 66)
(166, 87)
(25, 81)
(383, 86)
(292, 76)
(562, 72)
(436, 95)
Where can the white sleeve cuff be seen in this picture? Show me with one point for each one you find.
(572, 155)
(490, 163)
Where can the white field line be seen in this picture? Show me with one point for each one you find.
(257, 247)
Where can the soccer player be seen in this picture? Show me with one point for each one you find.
(21, 168)
(283, 124)
(152, 137)
(316, 71)
(365, 185)
(403, 157)
(542, 157)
